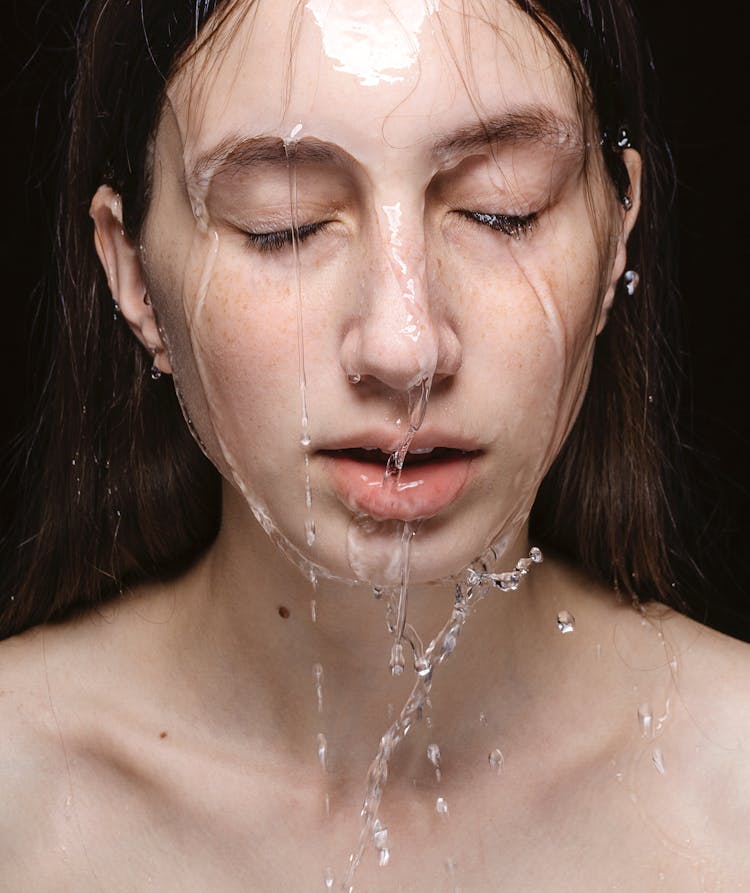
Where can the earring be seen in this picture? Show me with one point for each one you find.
(354, 378)
(631, 280)
(623, 139)
(156, 372)
(627, 202)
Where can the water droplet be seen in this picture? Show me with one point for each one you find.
(441, 805)
(535, 555)
(323, 751)
(318, 683)
(658, 760)
(313, 610)
(379, 835)
(645, 720)
(496, 760)
(423, 667)
(328, 806)
(433, 755)
(483, 719)
(397, 659)
(305, 440)
(566, 622)
(310, 533)
(384, 857)
(329, 878)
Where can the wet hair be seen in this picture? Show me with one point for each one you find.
(113, 487)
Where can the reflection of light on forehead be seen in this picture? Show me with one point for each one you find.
(369, 40)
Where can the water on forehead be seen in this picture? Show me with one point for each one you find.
(317, 62)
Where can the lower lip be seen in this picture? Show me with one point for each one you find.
(421, 492)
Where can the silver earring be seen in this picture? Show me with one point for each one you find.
(156, 372)
(631, 280)
(354, 378)
(627, 202)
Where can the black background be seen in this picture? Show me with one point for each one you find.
(701, 61)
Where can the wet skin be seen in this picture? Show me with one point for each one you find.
(170, 740)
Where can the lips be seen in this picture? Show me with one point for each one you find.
(432, 478)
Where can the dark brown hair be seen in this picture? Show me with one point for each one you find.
(114, 488)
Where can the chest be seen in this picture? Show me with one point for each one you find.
(230, 832)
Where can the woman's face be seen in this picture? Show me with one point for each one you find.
(435, 166)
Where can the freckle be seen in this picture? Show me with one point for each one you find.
(163, 735)
(284, 612)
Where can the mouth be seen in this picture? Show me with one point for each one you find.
(431, 479)
(415, 457)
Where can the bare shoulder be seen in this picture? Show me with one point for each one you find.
(712, 729)
(32, 762)
(712, 676)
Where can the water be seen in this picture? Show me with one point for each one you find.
(441, 806)
(467, 596)
(657, 759)
(496, 760)
(318, 683)
(566, 622)
(322, 751)
(397, 651)
(433, 755)
(646, 720)
(290, 148)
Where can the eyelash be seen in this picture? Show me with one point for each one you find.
(515, 227)
(277, 241)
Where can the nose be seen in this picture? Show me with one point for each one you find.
(403, 335)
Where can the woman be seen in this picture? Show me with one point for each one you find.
(399, 262)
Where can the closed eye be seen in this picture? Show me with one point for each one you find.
(514, 226)
(283, 238)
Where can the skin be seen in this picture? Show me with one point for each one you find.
(170, 739)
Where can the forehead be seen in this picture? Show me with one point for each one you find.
(373, 76)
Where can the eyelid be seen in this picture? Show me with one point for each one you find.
(277, 240)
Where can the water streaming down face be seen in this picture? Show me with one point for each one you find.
(385, 325)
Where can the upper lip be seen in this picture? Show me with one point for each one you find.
(387, 442)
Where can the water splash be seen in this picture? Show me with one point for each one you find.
(397, 662)
(418, 399)
(476, 587)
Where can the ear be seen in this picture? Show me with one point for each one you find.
(628, 216)
(122, 264)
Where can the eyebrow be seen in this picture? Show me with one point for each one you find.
(523, 124)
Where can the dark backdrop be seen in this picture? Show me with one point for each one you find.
(699, 58)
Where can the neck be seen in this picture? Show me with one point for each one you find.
(279, 659)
